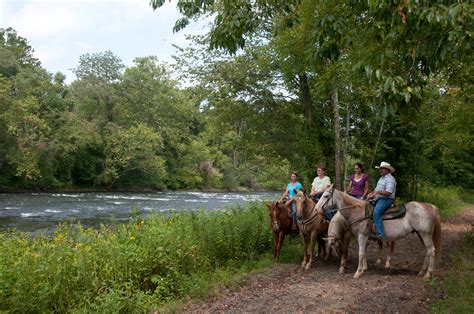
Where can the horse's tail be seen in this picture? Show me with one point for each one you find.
(437, 232)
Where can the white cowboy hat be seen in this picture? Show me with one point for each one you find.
(386, 165)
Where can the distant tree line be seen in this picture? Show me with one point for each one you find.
(292, 84)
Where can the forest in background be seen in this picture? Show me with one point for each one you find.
(275, 86)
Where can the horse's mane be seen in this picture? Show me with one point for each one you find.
(350, 199)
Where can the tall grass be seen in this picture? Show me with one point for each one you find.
(450, 200)
(458, 284)
(134, 267)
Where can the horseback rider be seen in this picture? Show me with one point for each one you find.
(320, 183)
(384, 195)
(289, 195)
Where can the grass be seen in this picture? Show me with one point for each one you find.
(136, 267)
(450, 200)
(458, 285)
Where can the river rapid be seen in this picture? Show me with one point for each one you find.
(42, 212)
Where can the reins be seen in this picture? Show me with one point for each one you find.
(303, 223)
(366, 215)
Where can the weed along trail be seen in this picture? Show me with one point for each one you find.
(286, 288)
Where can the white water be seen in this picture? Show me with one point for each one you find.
(41, 212)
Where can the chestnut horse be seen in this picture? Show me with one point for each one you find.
(312, 225)
(339, 237)
(422, 218)
(281, 226)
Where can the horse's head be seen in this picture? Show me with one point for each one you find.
(300, 203)
(335, 244)
(274, 211)
(326, 200)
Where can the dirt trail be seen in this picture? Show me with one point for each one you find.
(286, 288)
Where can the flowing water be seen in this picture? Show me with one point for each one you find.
(42, 212)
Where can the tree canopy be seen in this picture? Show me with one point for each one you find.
(276, 86)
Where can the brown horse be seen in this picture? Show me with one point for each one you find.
(312, 225)
(281, 226)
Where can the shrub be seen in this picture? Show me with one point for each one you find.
(449, 200)
(132, 267)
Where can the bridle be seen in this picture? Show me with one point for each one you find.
(330, 197)
(303, 223)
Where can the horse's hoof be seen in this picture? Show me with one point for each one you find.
(308, 266)
(379, 261)
(341, 270)
(420, 274)
(357, 275)
(427, 276)
(303, 265)
(387, 265)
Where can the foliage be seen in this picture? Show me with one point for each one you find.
(284, 86)
(134, 267)
(458, 284)
(449, 200)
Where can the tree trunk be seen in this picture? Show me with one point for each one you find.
(337, 131)
(377, 144)
(306, 99)
(346, 144)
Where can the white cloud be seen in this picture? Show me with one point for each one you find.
(61, 30)
(48, 53)
(48, 19)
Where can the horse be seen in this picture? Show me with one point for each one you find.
(339, 237)
(422, 218)
(311, 224)
(281, 226)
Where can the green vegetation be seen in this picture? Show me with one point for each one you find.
(449, 200)
(296, 83)
(134, 267)
(458, 284)
(330, 82)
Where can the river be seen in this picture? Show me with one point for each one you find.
(42, 212)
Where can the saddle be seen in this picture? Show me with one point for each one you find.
(394, 212)
(391, 213)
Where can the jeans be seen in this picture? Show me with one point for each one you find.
(293, 211)
(381, 206)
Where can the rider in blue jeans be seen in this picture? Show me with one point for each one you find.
(289, 196)
(384, 195)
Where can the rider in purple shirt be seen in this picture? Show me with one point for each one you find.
(359, 184)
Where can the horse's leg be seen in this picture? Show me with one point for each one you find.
(312, 243)
(281, 238)
(345, 253)
(322, 246)
(380, 244)
(390, 245)
(305, 253)
(428, 264)
(362, 239)
(275, 246)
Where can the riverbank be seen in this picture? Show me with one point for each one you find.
(131, 267)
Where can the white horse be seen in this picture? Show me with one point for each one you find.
(339, 238)
(422, 218)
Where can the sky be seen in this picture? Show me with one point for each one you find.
(62, 30)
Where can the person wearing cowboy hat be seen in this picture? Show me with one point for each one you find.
(384, 195)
